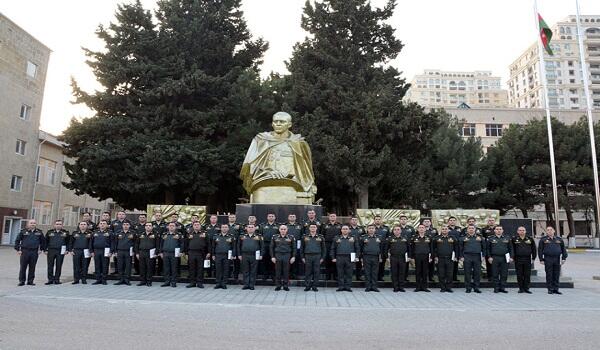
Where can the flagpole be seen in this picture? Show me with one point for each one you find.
(544, 81)
(586, 88)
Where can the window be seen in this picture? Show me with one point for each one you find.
(468, 130)
(493, 130)
(25, 112)
(70, 215)
(31, 69)
(571, 72)
(42, 212)
(46, 172)
(20, 147)
(16, 183)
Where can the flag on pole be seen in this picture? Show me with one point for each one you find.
(545, 35)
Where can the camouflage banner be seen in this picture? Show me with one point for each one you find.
(390, 217)
(185, 212)
(441, 216)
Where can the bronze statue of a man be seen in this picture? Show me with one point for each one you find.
(278, 166)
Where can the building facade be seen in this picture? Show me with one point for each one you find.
(32, 161)
(563, 69)
(23, 67)
(445, 89)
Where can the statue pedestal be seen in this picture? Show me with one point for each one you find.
(281, 211)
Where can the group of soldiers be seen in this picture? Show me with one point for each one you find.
(280, 251)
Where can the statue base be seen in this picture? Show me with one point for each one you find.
(280, 195)
(281, 211)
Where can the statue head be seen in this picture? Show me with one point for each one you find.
(282, 122)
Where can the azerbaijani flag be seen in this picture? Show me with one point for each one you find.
(545, 35)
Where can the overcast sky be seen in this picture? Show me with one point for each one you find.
(442, 34)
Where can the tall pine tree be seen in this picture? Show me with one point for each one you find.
(179, 104)
(346, 99)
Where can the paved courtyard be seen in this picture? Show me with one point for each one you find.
(86, 316)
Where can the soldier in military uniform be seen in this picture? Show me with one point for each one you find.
(123, 246)
(189, 227)
(139, 228)
(101, 239)
(330, 230)
(56, 241)
(432, 233)
(371, 249)
(235, 229)
(445, 252)
(553, 254)
(116, 226)
(159, 226)
(87, 217)
(357, 231)
(398, 250)
(498, 246)
(525, 252)
(267, 230)
(472, 251)
(197, 247)
(223, 251)
(486, 232)
(170, 242)
(420, 251)
(295, 230)
(313, 254)
(311, 219)
(146, 241)
(383, 231)
(456, 232)
(250, 251)
(344, 250)
(79, 241)
(212, 229)
(282, 249)
(29, 243)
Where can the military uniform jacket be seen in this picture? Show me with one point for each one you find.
(552, 247)
(499, 246)
(407, 230)
(223, 243)
(344, 245)
(102, 240)
(524, 247)
(398, 246)
(146, 241)
(139, 227)
(307, 223)
(420, 245)
(456, 231)
(197, 241)
(116, 226)
(431, 232)
(371, 245)
(249, 244)
(56, 239)
(444, 246)
(331, 230)
(212, 230)
(471, 245)
(282, 245)
(92, 226)
(488, 231)
(313, 245)
(123, 240)
(159, 227)
(79, 240)
(357, 231)
(268, 230)
(30, 239)
(235, 229)
(478, 231)
(169, 241)
(294, 230)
